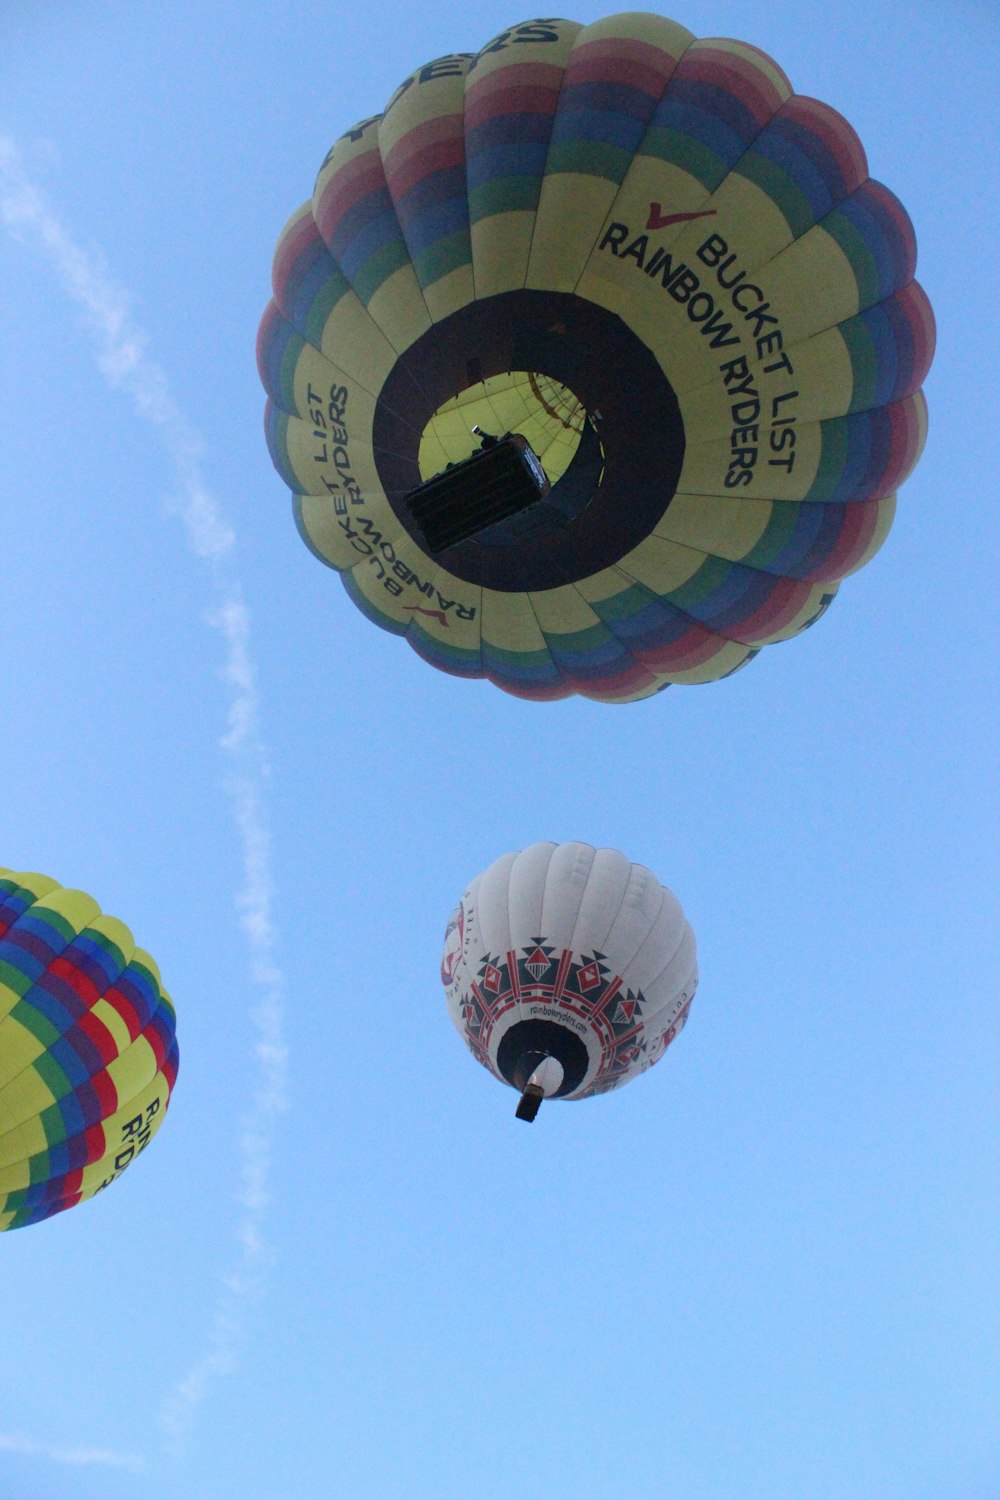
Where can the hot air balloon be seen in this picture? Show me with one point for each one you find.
(594, 359)
(88, 1055)
(568, 970)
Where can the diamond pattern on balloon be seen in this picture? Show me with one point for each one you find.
(536, 963)
(589, 977)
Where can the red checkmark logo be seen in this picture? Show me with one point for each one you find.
(657, 220)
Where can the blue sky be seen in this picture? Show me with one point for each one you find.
(768, 1268)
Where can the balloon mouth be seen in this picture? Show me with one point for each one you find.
(581, 388)
(542, 410)
(490, 458)
(527, 1044)
(483, 494)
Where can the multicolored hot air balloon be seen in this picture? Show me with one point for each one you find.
(594, 360)
(88, 1054)
(568, 970)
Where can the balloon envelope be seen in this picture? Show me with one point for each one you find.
(88, 1052)
(669, 275)
(569, 952)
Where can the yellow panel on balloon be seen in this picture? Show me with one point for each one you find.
(579, 206)
(399, 309)
(516, 78)
(510, 621)
(729, 527)
(323, 459)
(338, 530)
(352, 340)
(751, 461)
(813, 283)
(19, 1048)
(660, 565)
(422, 143)
(402, 586)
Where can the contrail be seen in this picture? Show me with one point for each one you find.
(126, 366)
(76, 1457)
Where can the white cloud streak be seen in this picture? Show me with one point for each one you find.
(78, 1458)
(121, 352)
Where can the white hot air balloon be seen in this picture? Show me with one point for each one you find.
(568, 970)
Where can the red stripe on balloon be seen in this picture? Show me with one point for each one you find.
(269, 325)
(784, 601)
(902, 428)
(858, 522)
(299, 240)
(696, 646)
(95, 1142)
(94, 1029)
(169, 1071)
(405, 171)
(159, 1038)
(902, 449)
(125, 1009)
(637, 65)
(528, 88)
(897, 226)
(106, 1093)
(737, 76)
(612, 684)
(919, 314)
(533, 693)
(833, 131)
(360, 176)
(68, 1186)
(426, 133)
(62, 968)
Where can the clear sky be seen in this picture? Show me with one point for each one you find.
(766, 1269)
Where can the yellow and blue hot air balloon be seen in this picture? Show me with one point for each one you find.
(594, 360)
(88, 1052)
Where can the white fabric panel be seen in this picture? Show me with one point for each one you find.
(636, 919)
(662, 940)
(679, 971)
(525, 892)
(669, 1013)
(565, 886)
(609, 878)
(490, 917)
